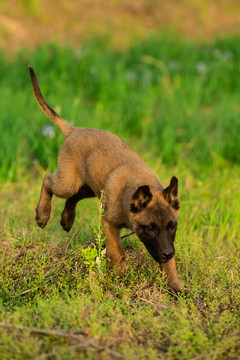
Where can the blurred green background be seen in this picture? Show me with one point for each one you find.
(165, 77)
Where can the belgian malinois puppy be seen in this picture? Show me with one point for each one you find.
(92, 160)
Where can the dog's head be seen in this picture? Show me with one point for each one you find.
(154, 217)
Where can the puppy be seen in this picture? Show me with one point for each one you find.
(92, 160)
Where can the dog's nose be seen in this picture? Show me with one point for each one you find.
(168, 254)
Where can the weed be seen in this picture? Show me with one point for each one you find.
(95, 256)
(100, 239)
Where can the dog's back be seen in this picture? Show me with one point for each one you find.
(85, 147)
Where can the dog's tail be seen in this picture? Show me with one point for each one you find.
(64, 126)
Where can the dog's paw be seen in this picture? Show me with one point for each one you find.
(42, 216)
(118, 268)
(121, 268)
(176, 287)
(67, 220)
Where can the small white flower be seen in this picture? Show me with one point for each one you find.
(48, 131)
(222, 55)
(172, 64)
(201, 67)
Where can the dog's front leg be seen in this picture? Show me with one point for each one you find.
(115, 252)
(171, 273)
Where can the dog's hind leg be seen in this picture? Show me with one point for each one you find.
(69, 212)
(115, 252)
(60, 184)
(43, 209)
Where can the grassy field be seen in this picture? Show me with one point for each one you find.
(176, 103)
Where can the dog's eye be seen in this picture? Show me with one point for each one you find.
(150, 227)
(171, 226)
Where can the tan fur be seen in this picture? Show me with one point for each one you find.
(92, 160)
(169, 269)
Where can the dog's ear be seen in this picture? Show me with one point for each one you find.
(140, 198)
(170, 193)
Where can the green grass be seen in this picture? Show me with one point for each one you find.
(175, 102)
(172, 97)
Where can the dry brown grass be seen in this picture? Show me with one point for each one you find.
(72, 21)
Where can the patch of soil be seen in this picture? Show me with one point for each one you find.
(27, 23)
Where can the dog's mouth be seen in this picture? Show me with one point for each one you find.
(160, 259)
(164, 261)
(155, 250)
